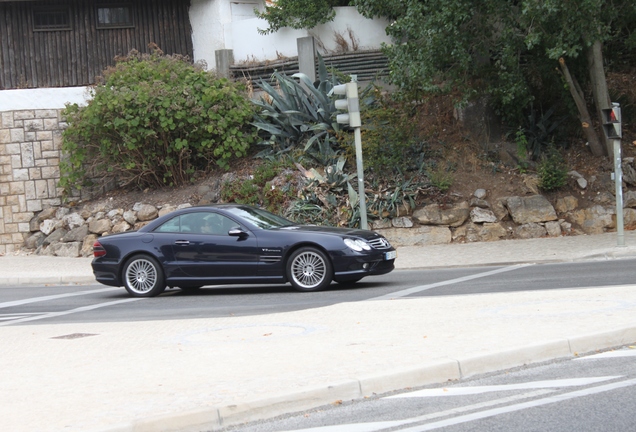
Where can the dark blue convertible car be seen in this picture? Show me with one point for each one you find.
(232, 244)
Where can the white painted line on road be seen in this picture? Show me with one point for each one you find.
(68, 312)
(421, 288)
(54, 297)
(610, 354)
(378, 426)
(518, 407)
(461, 391)
(5, 317)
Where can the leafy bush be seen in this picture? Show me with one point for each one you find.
(390, 142)
(440, 178)
(522, 149)
(259, 188)
(552, 171)
(153, 121)
(298, 13)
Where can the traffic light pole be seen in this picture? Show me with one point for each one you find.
(362, 198)
(618, 177)
(352, 105)
(613, 129)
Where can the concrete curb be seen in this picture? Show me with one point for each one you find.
(215, 418)
(47, 280)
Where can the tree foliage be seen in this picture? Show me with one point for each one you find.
(298, 14)
(505, 48)
(155, 120)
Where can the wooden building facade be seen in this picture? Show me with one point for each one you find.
(68, 43)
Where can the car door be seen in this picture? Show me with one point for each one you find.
(211, 253)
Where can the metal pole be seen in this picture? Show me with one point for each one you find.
(361, 195)
(618, 177)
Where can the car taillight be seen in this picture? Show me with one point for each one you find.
(98, 250)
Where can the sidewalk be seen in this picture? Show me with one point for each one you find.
(202, 374)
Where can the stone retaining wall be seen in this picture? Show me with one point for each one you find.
(30, 150)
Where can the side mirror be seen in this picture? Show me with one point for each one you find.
(237, 232)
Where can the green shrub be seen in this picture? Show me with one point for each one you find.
(390, 142)
(153, 121)
(440, 178)
(259, 189)
(552, 171)
(522, 149)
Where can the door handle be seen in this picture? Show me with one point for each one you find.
(182, 242)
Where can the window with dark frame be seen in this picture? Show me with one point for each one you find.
(51, 18)
(115, 16)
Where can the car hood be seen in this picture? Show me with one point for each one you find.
(342, 232)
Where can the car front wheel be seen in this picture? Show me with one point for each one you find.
(143, 276)
(309, 269)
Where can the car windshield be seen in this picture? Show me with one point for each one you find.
(261, 218)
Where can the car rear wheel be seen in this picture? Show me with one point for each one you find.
(309, 269)
(143, 277)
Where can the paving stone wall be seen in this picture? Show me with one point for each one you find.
(30, 150)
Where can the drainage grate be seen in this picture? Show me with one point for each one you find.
(74, 336)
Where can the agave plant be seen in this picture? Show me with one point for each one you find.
(327, 196)
(296, 113)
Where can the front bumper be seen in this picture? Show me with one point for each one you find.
(358, 266)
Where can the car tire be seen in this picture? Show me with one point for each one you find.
(309, 269)
(143, 276)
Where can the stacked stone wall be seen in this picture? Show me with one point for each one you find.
(30, 150)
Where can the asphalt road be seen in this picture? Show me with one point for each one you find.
(97, 303)
(591, 393)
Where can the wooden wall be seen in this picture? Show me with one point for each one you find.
(67, 58)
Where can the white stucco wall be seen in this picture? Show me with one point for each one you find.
(208, 19)
(249, 45)
(226, 24)
(43, 98)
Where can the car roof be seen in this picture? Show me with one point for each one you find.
(153, 224)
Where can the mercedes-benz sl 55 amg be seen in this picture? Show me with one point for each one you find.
(236, 244)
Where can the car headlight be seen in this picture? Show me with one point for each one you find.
(357, 244)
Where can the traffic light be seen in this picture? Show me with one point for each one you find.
(350, 103)
(612, 121)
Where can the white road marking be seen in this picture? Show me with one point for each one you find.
(54, 297)
(461, 391)
(518, 407)
(378, 426)
(544, 388)
(420, 288)
(610, 354)
(6, 317)
(68, 312)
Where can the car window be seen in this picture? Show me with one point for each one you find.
(261, 218)
(171, 225)
(198, 223)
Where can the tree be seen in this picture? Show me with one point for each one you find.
(507, 49)
(298, 14)
(502, 47)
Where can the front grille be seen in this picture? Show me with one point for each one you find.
(380, 243)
